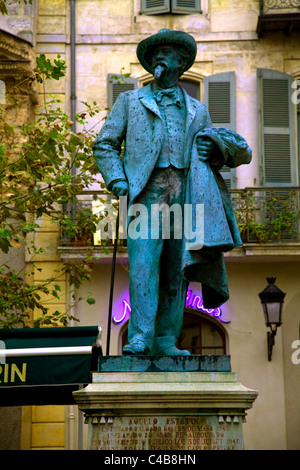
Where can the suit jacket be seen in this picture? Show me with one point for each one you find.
(135, 118)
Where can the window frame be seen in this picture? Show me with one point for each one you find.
(191, 312)
(263, 130)
(170, 7)
(228, 174)
(111, 81)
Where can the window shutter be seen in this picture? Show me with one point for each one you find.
(185, 6)
(219, 97)
(2, 92)
(155, 7)
(298, 127)
(276, 128)
(115, 86)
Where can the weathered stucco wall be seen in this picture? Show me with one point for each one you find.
(107, 34)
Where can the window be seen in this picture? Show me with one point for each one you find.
(199, 335)
(181, 7)
(219, 97)
(296, 102)
(192, 88)
(115, 86)
(276, 128)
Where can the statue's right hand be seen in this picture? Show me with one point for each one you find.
(120, 188)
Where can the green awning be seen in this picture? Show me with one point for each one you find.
(44, 365)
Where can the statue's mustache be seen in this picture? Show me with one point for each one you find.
(158, 70)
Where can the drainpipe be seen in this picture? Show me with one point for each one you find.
(73, 107)
(73, 104)
(73, 64)
(71, 413)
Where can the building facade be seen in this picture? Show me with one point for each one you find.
(246, 71)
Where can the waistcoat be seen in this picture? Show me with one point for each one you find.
(174, 120)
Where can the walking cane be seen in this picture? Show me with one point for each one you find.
(112, 281)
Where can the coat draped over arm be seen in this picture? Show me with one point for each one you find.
(220, 233)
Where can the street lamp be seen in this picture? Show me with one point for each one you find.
(272, 301)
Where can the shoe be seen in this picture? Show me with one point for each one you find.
(172, 351)
(135, 349)
(163, 347)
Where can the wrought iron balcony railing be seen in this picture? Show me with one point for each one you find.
(267, 214)
(84, 225)
(278, 15)
(274, 6)
(263, 215)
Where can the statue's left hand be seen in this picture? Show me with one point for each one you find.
(208, 150)
(205, 147)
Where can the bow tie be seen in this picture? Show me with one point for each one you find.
(171, 93)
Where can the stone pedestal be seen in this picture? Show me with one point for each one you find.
(165, 403)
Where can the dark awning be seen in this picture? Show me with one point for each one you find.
(44, 365)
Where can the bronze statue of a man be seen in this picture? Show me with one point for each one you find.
(172, 157)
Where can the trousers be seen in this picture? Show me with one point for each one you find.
(156, 286)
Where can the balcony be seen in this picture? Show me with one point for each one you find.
(82, 233)
(278, 15)
(268, 219)
(267, 215)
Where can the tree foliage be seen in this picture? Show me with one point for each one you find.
(3, 6)
(44, 165)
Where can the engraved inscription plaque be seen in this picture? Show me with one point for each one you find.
(166, 433)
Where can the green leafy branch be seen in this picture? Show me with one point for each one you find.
(37, 180)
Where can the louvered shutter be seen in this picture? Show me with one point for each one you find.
(185, 6)
(154, 7)
(276, 129)
(298, 129)
(115, 86)
(219, 97)
(2, 92)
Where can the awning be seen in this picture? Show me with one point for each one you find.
(45, 365)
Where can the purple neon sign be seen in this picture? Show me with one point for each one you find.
(192, 300)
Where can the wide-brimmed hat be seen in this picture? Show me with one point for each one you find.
(170, 37)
